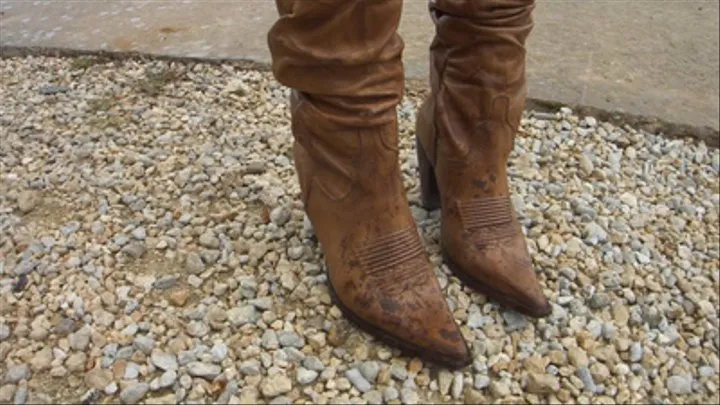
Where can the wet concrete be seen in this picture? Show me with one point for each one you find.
(649, 58)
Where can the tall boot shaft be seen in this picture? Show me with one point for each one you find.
(344, 56)
(466, 130)
(478, 73)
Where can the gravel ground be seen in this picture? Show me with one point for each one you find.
(153, 249)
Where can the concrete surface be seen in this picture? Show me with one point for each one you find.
(649, 58)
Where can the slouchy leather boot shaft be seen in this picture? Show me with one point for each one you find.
(477, 75)
(344, 55)
(466, 131)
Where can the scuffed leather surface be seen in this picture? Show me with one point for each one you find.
(343, 61)
(468, 127)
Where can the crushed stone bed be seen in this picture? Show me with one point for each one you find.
(153, 249)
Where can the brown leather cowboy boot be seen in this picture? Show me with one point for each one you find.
(465, 133)
(347, 79)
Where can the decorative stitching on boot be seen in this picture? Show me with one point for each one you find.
(490, 219)
(403, 277)
(394, 261)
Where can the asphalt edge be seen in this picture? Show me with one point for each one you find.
(649, 124)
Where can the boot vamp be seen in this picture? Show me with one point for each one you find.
(486, 243)
(388, 281)
(379, 268)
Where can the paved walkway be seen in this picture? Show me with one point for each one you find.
(650, 58)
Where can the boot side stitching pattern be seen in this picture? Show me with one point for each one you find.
(394, 260)
(490, 220)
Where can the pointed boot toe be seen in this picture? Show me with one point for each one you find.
(521, 293)
(432, 326)
(535, 302)
(523, 290)
(403, 305)
(500, 269)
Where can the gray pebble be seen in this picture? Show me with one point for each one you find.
(139, 233)
(134, 393)
(296, 253)
(390, 394)
(80, 339)
(305, 376)
(167, 379)
(594, 234)
(652, 316)
(290, 339)
(280, 215)
(50, 90)
(369, 370)
(270, 340)
(294, 355)
(263, 303)
(636, 352)
(313, 363)
(107, 362)
(280, 400)
(21, 395)
(679, 384)
(457, 386)
(17, 373)
(409, 396)
(186, 381)
(398, 371)
(4, 332)
(130, 307)
(110, 349)
(164, 361)
(418, 213)
(249, 367)
(255, 168)
(185, 357)
(230, 389)
(144, 343)
(97, 228)
(129, 330)
(608, 330)
(132, 371)
(70, 228)
(475, 320)
(111, 389)
(197, 329)
(164, 282)
(209, 240)
(594, 327)
(706, 371)
(135, 249)
(481, 382)
(195, 281)
(203, 370)
(25, 267)
(126, 352)
(193, 263)
(242, 315)
(599, 300)
(584, 375)
(210, 256)
(514, 321)
(357, 380)
(218, 352)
